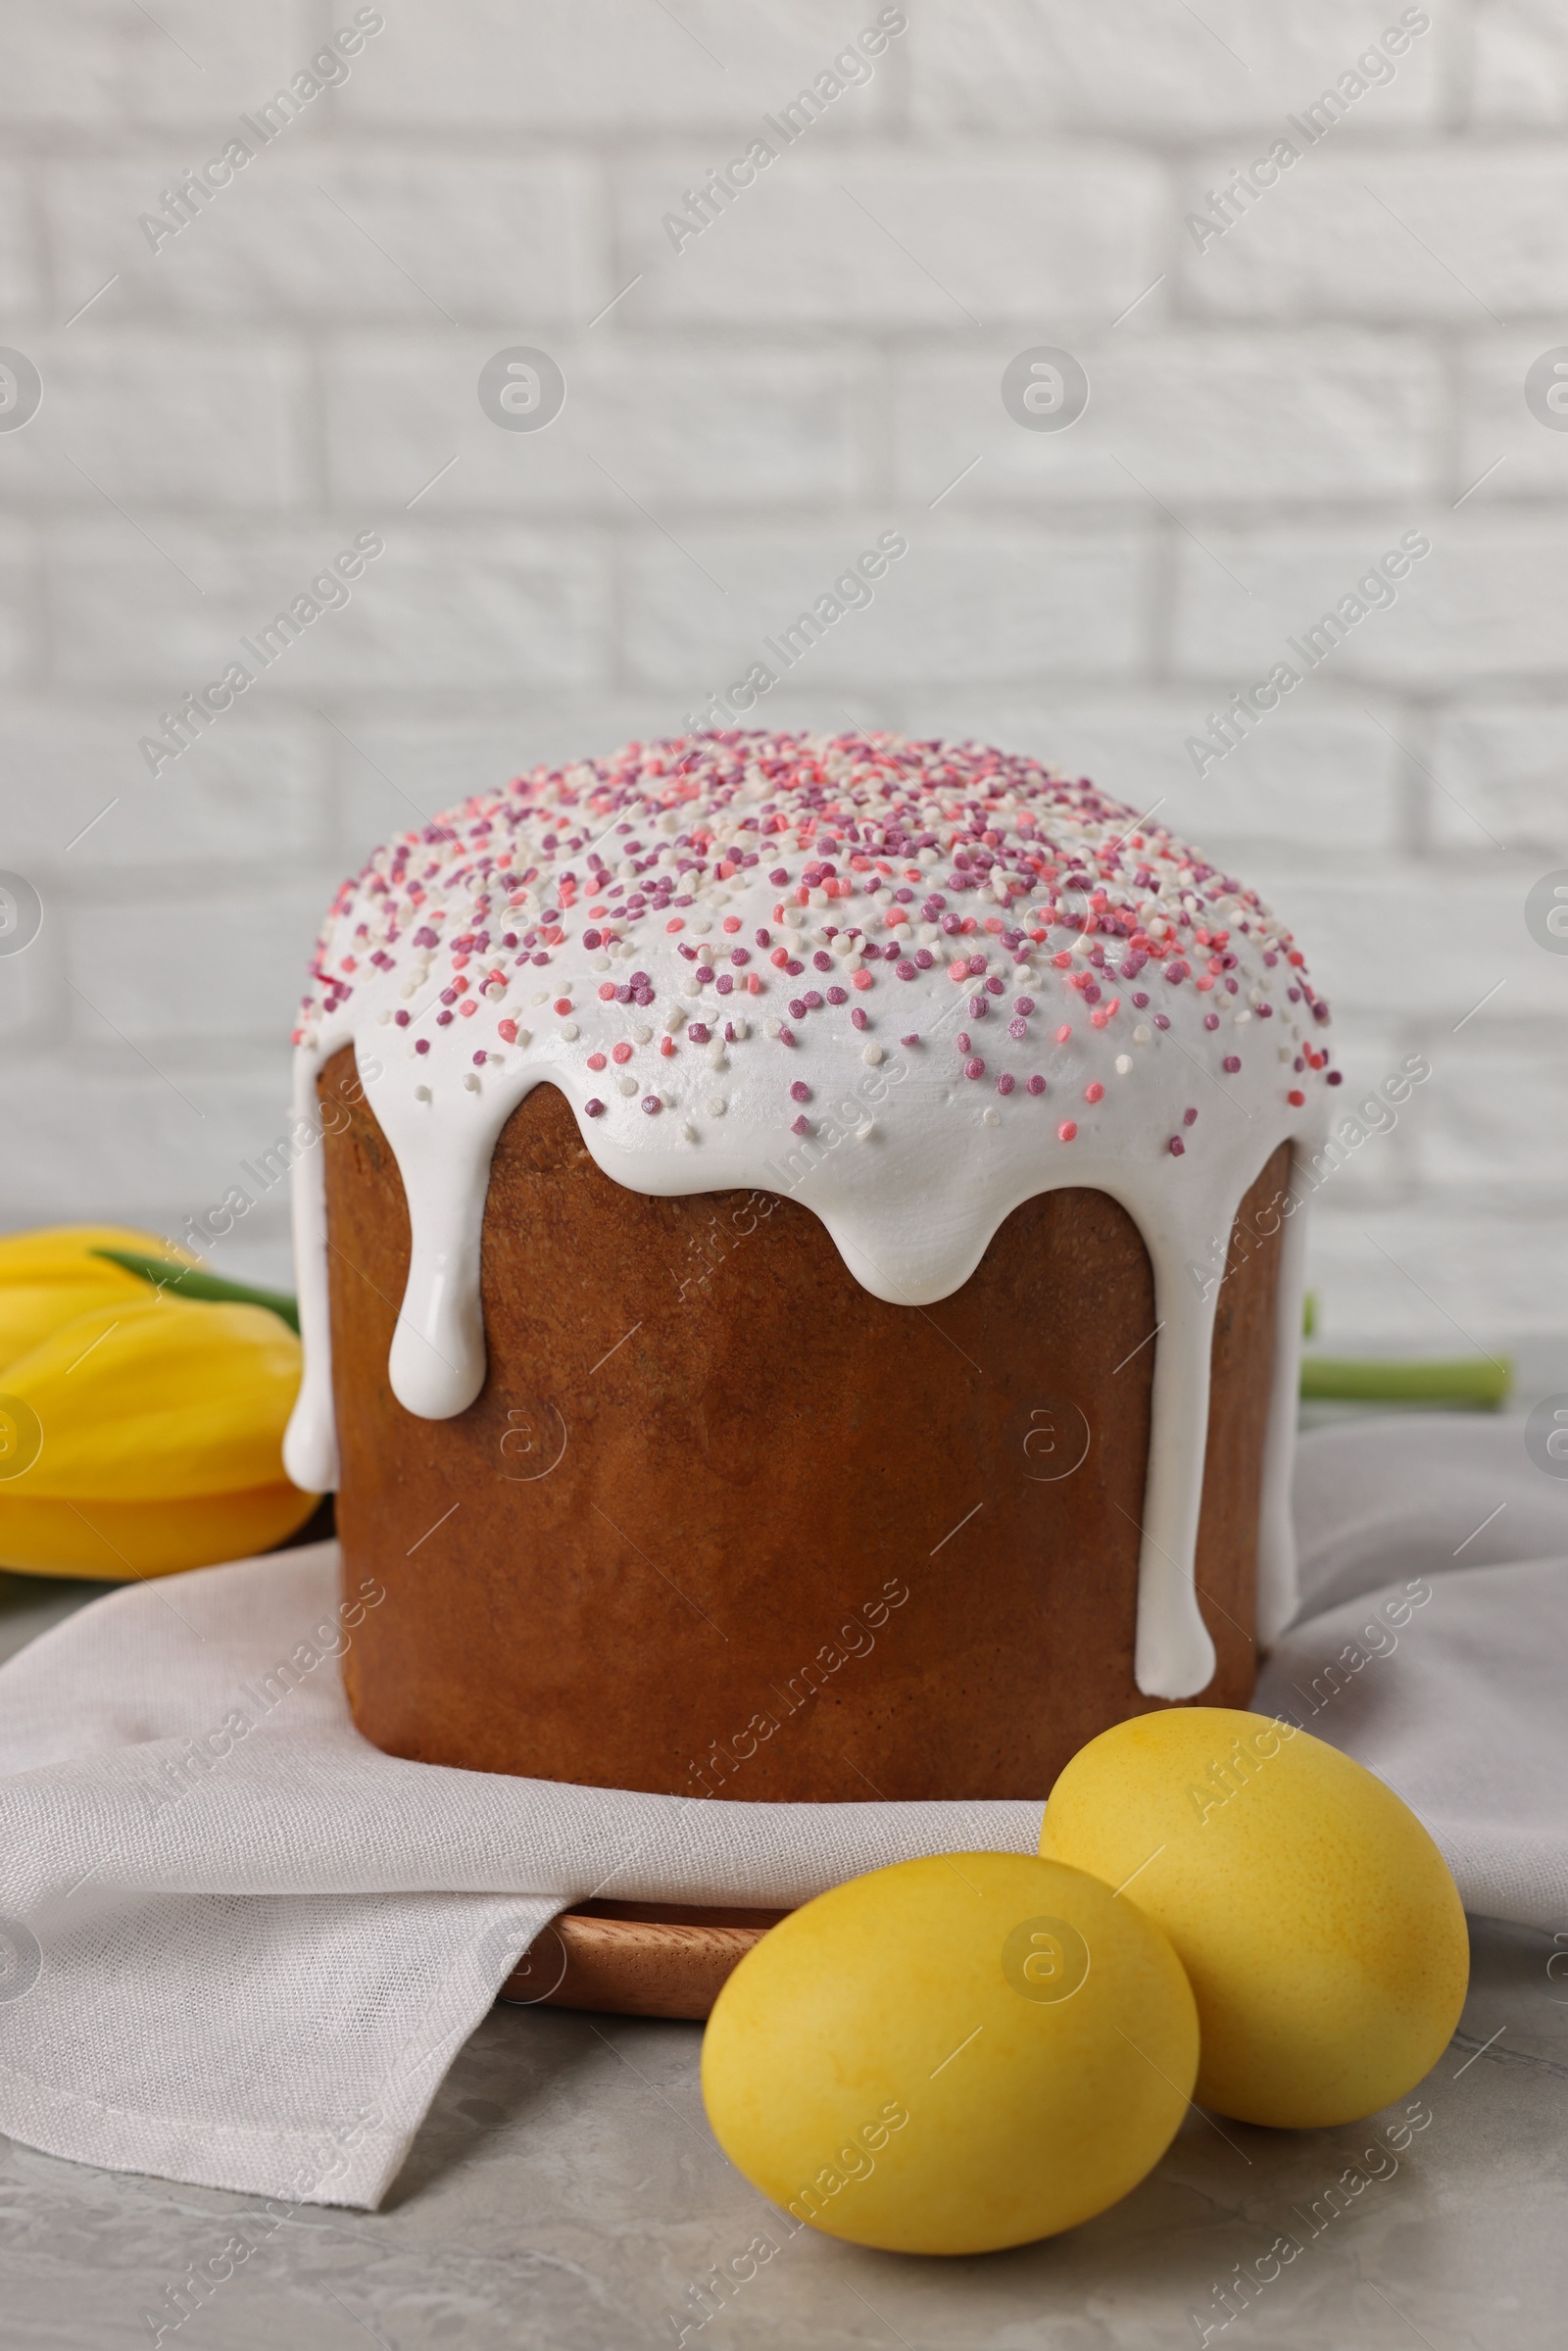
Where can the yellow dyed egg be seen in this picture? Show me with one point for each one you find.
(953, 2055)
(1319, 1926)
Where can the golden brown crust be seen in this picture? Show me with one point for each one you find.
(720, 1522)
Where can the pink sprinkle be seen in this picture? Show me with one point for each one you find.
(607, 991)
(800, 1125)
(620, 1052)
(595, 1060)
(786, 1036)
(1296, 1097)
(506, 1031)
(910, 1040)
(1067, 1130)
(862, 979)
(1189, 1118)
(1094, 1093)
(800, 1092)
(974, 1067)
(1063, 1033)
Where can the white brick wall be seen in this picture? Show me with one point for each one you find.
(300, 363)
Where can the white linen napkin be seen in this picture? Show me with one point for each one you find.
(239, 1946)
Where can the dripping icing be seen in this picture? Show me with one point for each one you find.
(863, 1059)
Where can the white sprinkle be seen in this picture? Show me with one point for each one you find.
(716, 1056)
(702, 926)
(642, 1033)
(601, 962)
(627, 1085)
(872, 1055)
(570, 1030)
(993, 1118)
(674, 1020)
(495, 990)
(865, 1133)
(716, 1107)
(421, 1093)
(471, 1081)
(1241, 1017)
(743, 1029)
(689, 1131)
(542, 997)
(1142, 1035)
(385, 1016)
(774, 1028)
(1124, 1062)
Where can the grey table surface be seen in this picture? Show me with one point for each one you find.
(565, 2193)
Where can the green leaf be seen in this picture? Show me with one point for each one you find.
(167, 1273)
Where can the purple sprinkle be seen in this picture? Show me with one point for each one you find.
(591, 938)
(961, 1041)
(1140, 1001)
(977, 964)
(443, 1021)
(1211, 1020)
(813, 1003)
(796, 1007)
(910, 1040)
(978, 1007)
(838, 996)
(1189, 1118)
(705, 972)
(858, 1019)
(740, 955)
(778, 876)
(651, 1104)
(624, 993)
(594, 1108)
(1162, 1021)
(425, 937)
(1231, 1063)
(974, 1067)
(1176, 1146)
(821, 961)
(1037, 1085)
(1335, 1077)
(539, 958)
(1023, 1005)
(786, 1036)
(1018, 1028)
(993, 986)
(422, 1045)
(698, 1032)
(764, 939)
(449, 996)
(1005, 1084)
(479, 1060)
(726, 984)
(924, 958)
(1090, 992)
(402, 1019)
(800, 1092)
(795, 967)
(800, 1125)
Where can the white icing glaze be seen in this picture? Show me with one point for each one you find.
(911, 1149)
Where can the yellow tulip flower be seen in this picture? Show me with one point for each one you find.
(140, 1430)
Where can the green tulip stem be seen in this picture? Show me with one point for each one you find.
(167, 1273)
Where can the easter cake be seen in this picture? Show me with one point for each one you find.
(800, 1285)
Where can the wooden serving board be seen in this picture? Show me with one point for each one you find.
(636, 1958)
